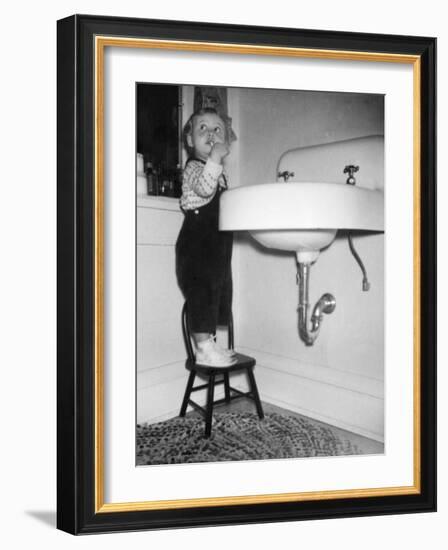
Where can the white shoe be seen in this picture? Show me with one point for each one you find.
(208, 353)
(225, 351)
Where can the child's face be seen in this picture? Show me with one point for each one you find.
(208, 129)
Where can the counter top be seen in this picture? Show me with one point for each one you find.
(158, 203)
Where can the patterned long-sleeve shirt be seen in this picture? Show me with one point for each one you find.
(200, 182)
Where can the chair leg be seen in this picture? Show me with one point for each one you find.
(209, 411)
(254, 391)
(227, 387)
(188, 389)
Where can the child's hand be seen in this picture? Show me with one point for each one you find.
(218, 152)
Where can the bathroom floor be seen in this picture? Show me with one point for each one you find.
(364, 444)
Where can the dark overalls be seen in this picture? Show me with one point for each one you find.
(203, 267)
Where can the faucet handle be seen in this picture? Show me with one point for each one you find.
(285, 175)
(350, 169)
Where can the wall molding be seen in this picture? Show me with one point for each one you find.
(161, 390)
(342, 399)
(344, 379)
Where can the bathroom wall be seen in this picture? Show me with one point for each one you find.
(340, 378)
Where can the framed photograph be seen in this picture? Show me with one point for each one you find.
(246, 274)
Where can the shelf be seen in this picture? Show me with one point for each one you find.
(158, 202)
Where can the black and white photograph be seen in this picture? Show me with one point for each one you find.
(260, 330)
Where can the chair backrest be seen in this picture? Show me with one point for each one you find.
(186, 332)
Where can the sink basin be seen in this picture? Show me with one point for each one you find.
(306, 243)
(301, 217)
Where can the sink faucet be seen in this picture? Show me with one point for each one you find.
(285, 175)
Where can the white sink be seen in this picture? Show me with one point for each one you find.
(301, 217)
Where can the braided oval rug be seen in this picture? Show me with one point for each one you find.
(236, 436)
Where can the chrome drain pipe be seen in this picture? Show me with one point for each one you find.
(326, 304)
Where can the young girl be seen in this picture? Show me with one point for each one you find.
(203, 253)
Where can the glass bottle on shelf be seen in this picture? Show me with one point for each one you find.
(165, 181)
(156, 181)
(150, 178)
(153, 179)
(169, 183)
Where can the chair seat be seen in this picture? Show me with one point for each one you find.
(243, 362)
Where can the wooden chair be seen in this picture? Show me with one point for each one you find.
(216, 376)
